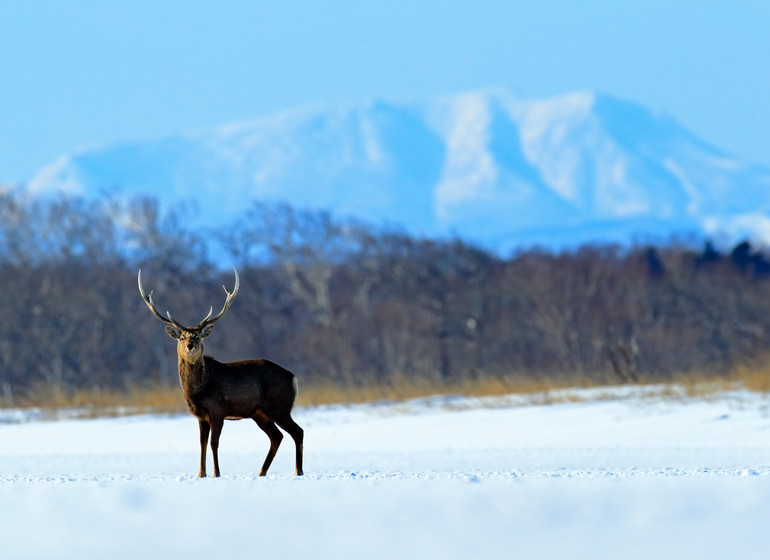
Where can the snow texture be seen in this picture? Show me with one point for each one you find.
(626, 476)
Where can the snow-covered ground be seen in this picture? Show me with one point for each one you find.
(627, 477)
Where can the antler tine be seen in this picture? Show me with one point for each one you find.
(228, 302)
(206, 318)
(148, 300)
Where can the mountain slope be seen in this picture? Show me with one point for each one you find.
(485, 165)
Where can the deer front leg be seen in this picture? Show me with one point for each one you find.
(216, 429)
(204, 429)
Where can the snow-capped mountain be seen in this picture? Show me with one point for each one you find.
(487, 166)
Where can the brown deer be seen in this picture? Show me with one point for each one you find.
(215, 391)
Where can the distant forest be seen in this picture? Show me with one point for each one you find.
(336, 300)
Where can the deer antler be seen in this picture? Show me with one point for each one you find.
(208, 320)
(148, 300)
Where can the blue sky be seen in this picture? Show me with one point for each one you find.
(80, 73)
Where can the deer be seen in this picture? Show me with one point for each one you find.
(215, 391)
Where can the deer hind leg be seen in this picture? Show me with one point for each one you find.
(216, 429)
(205, 427)
(297, 434)
(275, 436)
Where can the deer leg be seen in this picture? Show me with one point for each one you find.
(275, 436)
(204, 429)
(216, 429)
(297, 434)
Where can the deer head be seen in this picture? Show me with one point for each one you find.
(189, 339)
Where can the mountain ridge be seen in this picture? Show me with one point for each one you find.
(485, 165)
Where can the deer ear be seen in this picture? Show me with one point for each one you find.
(207, 331)
(173, 332)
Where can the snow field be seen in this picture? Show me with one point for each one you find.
(630, 478)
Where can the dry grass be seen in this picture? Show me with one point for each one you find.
(169, 400)
(400, 388)
(544, 389)
(101, 402)
(755, 378)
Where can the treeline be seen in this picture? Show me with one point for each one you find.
(340, 301)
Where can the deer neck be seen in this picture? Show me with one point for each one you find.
(193, 375)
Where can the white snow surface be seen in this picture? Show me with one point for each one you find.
(627, 476)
